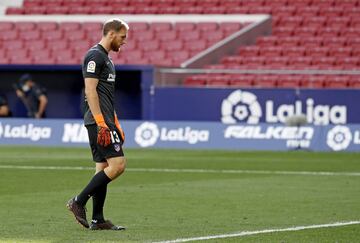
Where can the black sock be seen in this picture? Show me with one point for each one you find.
(98, 204)
(99, 180)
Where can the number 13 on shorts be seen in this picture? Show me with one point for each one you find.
(114, 137)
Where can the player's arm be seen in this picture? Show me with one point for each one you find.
(4, 110)
(92, 98)
(42, 105)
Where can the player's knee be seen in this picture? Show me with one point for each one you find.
(120, 166)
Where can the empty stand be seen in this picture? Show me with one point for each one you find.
(67, 42)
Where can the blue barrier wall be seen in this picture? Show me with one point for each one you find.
(64, 85)
(253, 106)
(187, 135)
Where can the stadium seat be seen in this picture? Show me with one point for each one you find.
(266, 81)
(289, 81)
(337, 82)
(238, 80)
(196, 81)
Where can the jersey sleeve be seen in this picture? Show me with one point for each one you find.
(3, 100)
(92, 65)
(38, 91)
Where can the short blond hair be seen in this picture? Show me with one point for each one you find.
(115, 25)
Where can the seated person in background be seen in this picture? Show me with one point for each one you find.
(32, 95)
(4, 107)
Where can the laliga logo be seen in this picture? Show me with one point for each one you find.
(147, 134)
(339, 138)
(240, 106)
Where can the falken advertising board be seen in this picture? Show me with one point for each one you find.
(188, 135)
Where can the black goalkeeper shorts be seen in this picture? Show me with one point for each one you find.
(100, 153)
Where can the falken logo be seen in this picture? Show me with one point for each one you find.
(28, 131)
(339, 138)
(241, 106)
(148, 133)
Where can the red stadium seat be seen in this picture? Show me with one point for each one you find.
(34, 45)
(207, 26)
(312, 41)
(69, 26)
(271, 51)
(59, 44)
(290, 41)
(91, 26)
(328, 61)
(292, 22)
(197, 46)
(230, 27)
(9, 35)
(169, 10)
(196, 81)
(293, 51)
(311, 81)
(25, 26)
(267, 41)
(52, 35)
(277, 60)
(161, 26)
(14, 11)
(218, 80)
(46, 26)
(58, 10)
(337, 82)
(317, 51)
(190, 36)
(5, 26)
(340, 52)
(228, 60)
(308, 11)
(38, 10)
(266, 81)
(150, 46)
(249, 50)
(184, 26)
(241, 80)
(167, 36)
(289, 81)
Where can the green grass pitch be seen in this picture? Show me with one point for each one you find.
(202, 193)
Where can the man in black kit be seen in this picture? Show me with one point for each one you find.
(32, 95)
(105, 133)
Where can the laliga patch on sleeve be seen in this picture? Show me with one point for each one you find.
(91, 67)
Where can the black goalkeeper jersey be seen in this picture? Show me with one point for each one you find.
(97, 64)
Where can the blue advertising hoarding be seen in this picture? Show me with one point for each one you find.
(188, 135)
(254, 106)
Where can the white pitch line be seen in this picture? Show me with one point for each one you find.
(265, 231)
(164, 170)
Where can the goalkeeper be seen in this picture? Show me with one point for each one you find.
(105, 133)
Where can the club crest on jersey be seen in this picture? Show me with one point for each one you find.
(91, 67)
(117, 147)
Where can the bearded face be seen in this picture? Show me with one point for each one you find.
(118, 40)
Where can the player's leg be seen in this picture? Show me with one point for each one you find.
(116, 166)
(99, 198)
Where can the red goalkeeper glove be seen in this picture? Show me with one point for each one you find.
(103, 136)
(118, 126)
